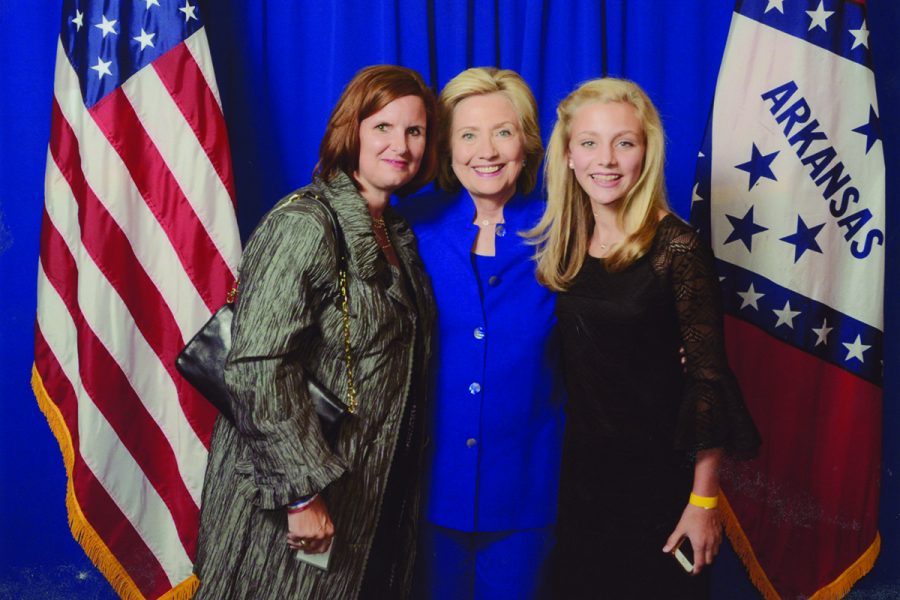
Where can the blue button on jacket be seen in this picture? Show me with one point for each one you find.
(494, 372)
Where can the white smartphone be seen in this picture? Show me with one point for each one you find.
(320, 561)
(684, 554)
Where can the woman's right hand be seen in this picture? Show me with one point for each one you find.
(311, 530)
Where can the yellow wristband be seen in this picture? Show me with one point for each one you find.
(707, 502)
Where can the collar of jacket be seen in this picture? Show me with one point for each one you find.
(366, 258)
(516, 212)
(519, 214)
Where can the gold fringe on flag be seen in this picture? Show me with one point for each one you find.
(841, 586)
(182, 591)
(833, 591)
(84, 534)
(744, 550)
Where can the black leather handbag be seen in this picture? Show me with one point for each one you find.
(202, 361)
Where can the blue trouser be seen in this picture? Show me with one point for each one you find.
(455, 565)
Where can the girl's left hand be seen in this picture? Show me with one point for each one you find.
(704, 529)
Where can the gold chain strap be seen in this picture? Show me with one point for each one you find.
(352, 402)
(233, 292)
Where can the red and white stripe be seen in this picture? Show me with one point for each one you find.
(139, 247)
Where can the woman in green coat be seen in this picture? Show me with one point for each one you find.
(273, 486)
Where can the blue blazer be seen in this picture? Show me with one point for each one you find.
(497, 416)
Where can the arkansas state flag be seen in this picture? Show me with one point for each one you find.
(790, 192)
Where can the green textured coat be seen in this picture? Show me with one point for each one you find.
(288, 319)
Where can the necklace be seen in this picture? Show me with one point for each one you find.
(607, 246)
(380, 230)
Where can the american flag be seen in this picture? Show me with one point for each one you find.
(791, 193)
(139, 246)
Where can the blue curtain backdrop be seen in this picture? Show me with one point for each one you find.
(281, 66)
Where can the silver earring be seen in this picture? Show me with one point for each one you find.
(524, 162)
(571, 165)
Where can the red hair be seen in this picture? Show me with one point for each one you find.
(370, 90)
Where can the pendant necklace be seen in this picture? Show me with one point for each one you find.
(381, 234)
(603, 247)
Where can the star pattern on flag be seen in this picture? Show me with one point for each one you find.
(107, 26)
(871, 129)
(786, 315)
(188, 11)
(819, 17)
(822, 333)
(102, 67)
(134, 43)
(761, 276)
(145, 39)
(759, 165)
(856, 349)
(804, 238)
(743, 229)
(860, 36)
(750, 297)
(775, 5)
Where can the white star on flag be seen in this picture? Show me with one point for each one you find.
(856, 349)
(78, 19)
(786, 315)
(106, 26)
(695, 197)
(145, 39)
(188, 11)
(102, 67)
(152, 3)
(822, 333)
(819, 17)
(750, 297)
(860, 36)
(776, 4)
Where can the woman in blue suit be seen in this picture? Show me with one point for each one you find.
(497, 422)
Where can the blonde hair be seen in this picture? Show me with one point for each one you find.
(488, 80)
(564, 231)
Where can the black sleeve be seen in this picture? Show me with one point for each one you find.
(712, 412)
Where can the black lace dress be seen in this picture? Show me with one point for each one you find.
(635, 419)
